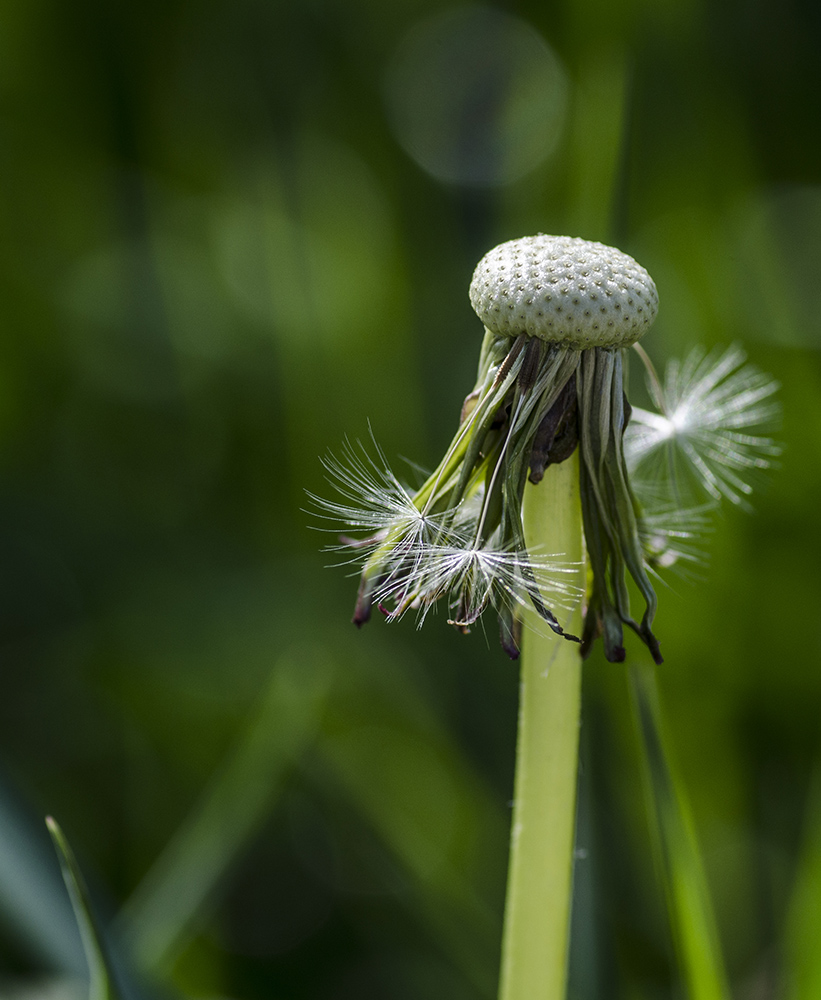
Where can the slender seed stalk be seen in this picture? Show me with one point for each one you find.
(540, 878)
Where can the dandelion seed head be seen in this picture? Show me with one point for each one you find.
(558, 312)
(564, 290)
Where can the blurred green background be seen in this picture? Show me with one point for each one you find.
(233, 233)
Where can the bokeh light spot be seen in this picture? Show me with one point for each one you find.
(476, 96)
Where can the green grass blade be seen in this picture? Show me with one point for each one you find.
(688, 900)
(102, 983)
(34, 908)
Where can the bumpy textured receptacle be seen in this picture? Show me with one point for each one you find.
(564, 290)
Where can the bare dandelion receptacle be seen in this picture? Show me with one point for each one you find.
(564, 290)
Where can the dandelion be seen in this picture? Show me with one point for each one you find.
(558, 315)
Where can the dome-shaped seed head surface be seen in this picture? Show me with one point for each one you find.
(565, 290)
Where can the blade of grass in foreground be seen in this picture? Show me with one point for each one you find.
(34, 906)
(688, 900)
(102, 984)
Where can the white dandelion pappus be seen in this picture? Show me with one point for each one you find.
(707, 405)
(429, 557)
(375, 501)
(478, 576)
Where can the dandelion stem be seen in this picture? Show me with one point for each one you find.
(537, 911)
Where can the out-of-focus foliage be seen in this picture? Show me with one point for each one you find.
(230, 234)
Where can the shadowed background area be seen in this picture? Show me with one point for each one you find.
(232, 234)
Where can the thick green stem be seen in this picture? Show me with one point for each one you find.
(540, 879)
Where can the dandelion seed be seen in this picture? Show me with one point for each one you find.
(708, 404)
(377, 502)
